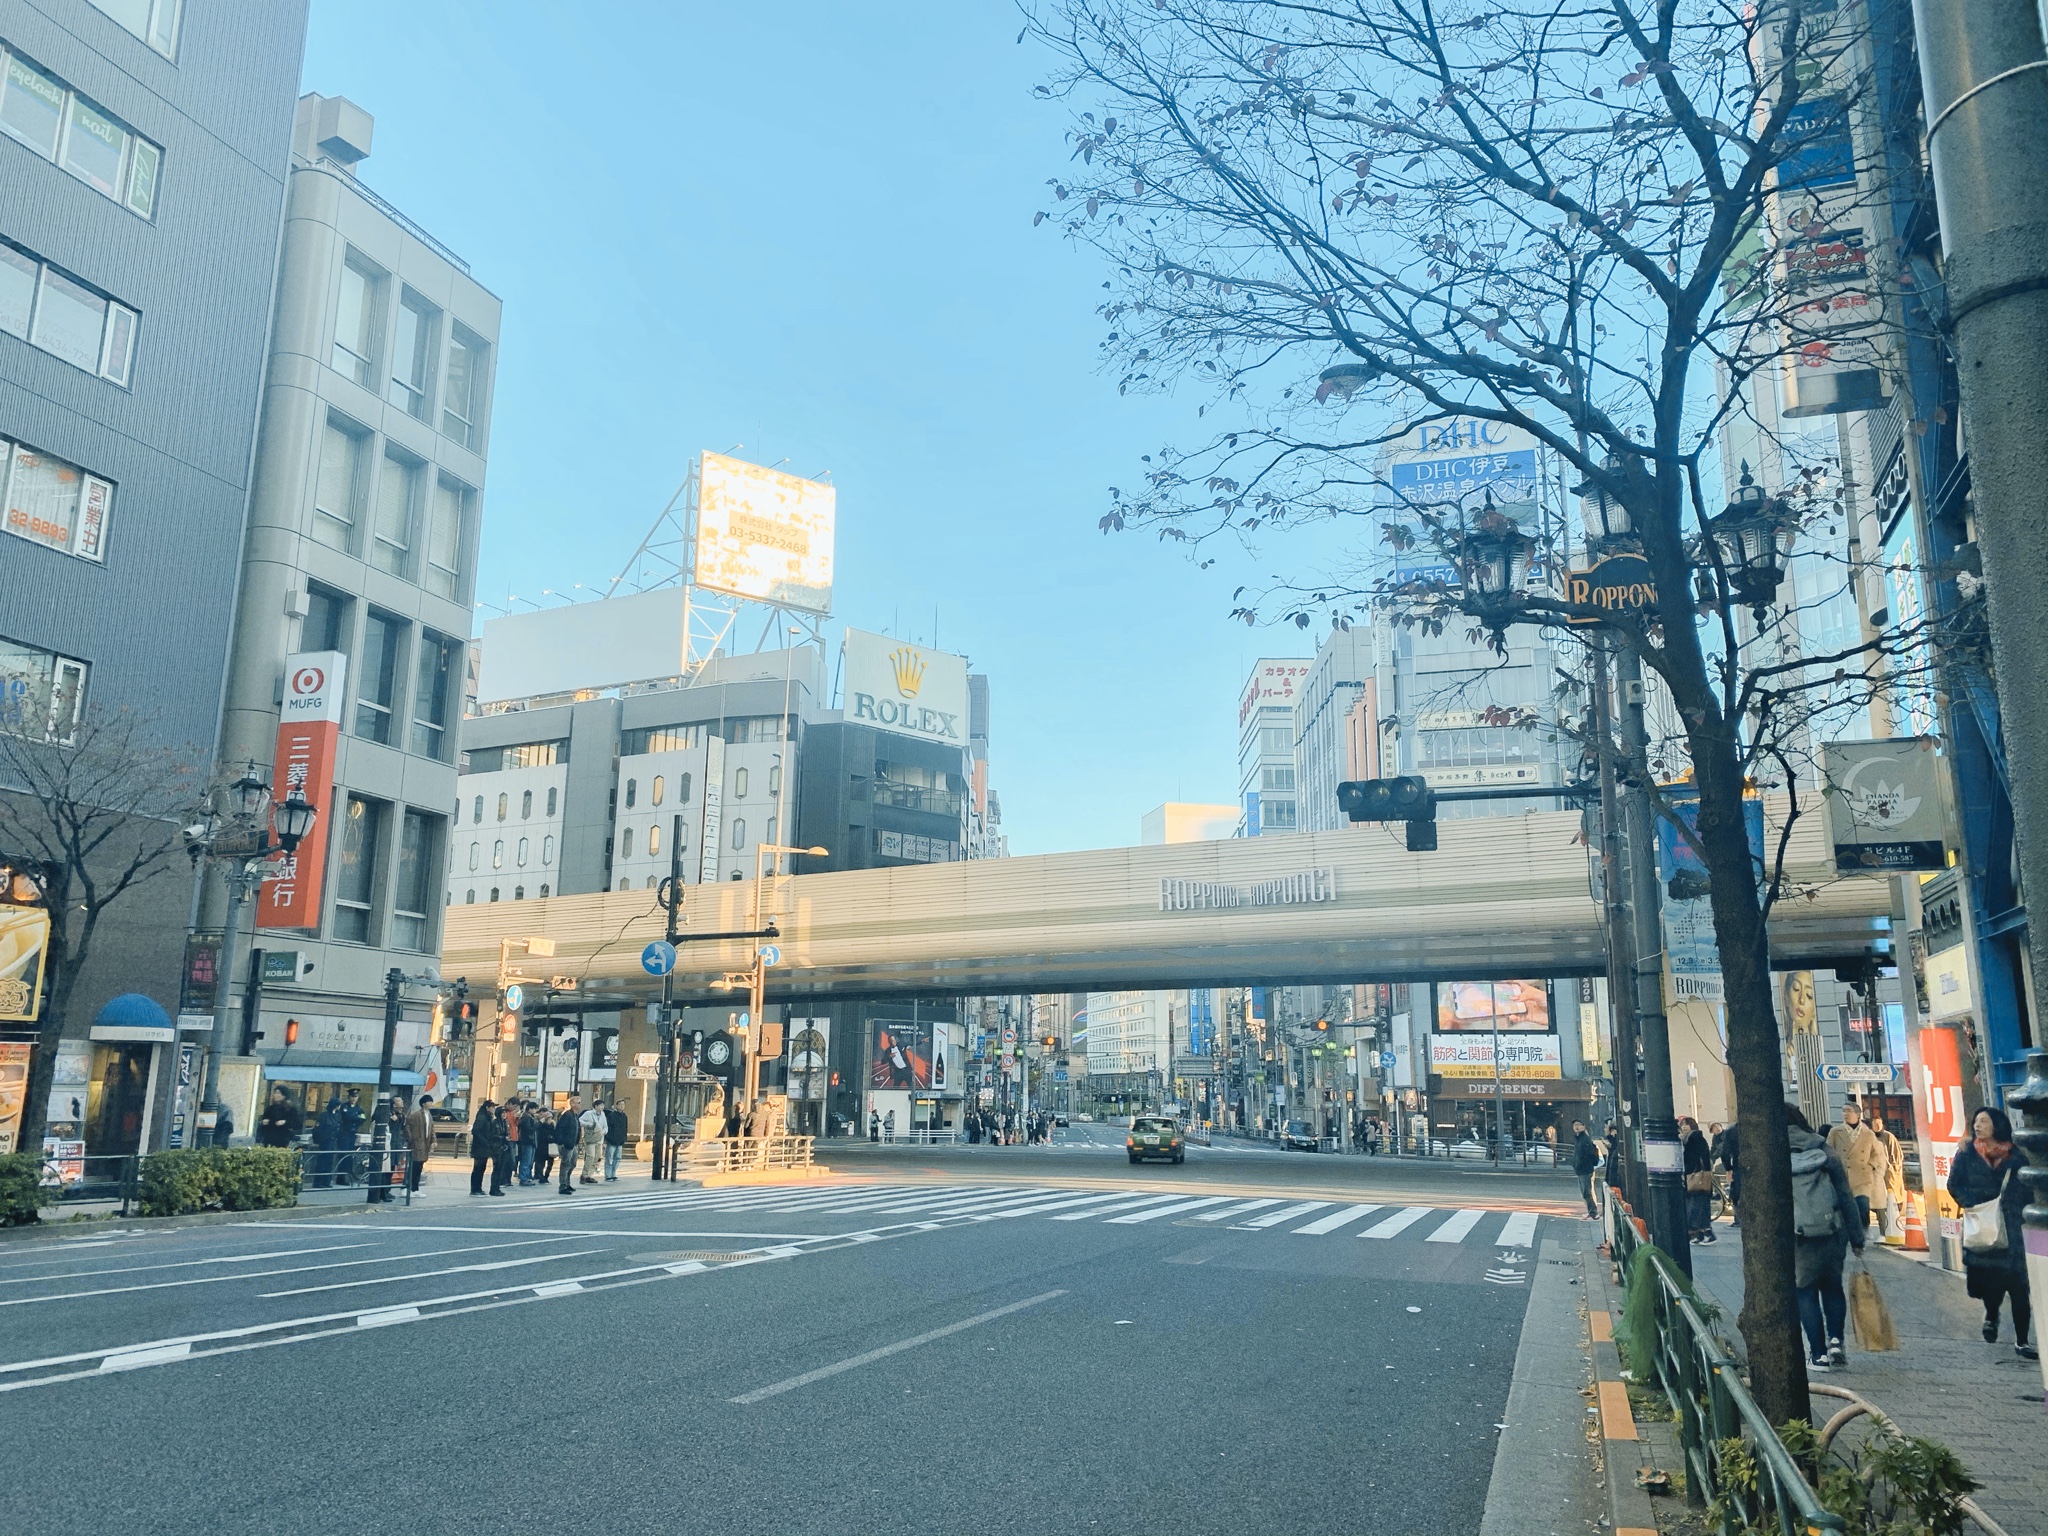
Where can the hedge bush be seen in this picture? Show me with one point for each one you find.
(22, 1190)
(178, 1183)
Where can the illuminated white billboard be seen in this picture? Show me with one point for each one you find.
(907, 688)
(763, 534)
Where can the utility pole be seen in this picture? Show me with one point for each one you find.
(380, 1125)
(1620, 940)
(665, 1087)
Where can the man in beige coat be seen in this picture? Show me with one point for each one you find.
(1863, 1155)
(419, 1140)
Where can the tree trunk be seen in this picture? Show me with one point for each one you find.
(62, 969)
(1770, 1316)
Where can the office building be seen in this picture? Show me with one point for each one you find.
(360, 567)
(1265, 745)
(1338, 692)
(1179, 821)
(143, 161)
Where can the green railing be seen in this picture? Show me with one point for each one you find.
(1714, 1408)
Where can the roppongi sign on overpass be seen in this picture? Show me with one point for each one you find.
(1503, 897)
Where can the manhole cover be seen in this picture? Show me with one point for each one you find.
(687, 1256)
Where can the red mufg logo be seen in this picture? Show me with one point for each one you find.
(308, 680)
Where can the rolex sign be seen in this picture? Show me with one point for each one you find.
(894, 685)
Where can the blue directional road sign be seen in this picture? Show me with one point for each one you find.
(771, 954)
(514, 998)
(658, 958)
(1386, 1061)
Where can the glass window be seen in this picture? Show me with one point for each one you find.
(325, 627)
(377, 676)
(433, 691)
(32, 107)
(42, 695)
(772, 826)
(654, 840)
(444, 538)
(355, 320)
(355, 886)
(337, 495)
(625, 842)
(655, 790)
(71, 321)
(469, 899)
(154, 21)
(632, 793)
(739, 787)
(43, 497)
(494, 893)
(476, 854)
(522, 853)
(543, 890)
(118, 356)
(477, 811)
(504, 802)
(412, 351)
(17, 290)
(775, 783)
(519, 893)
(410, 902)
(142, 177)
(498, 854)
(547, 852)
(683, 790)
(526, 805)
(1277, 779)
(391, 549)
(660, 738)
(739, 832)
(462, 407)
(551, 800)
(95, 148)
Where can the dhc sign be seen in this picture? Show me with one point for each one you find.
(1305, 889)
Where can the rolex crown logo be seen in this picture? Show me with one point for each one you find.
(909, 669)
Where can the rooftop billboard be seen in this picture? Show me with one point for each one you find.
(764, 534)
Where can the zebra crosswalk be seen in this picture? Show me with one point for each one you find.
(930, 1206)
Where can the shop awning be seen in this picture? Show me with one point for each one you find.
(293, 1072)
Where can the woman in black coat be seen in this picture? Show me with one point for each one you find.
(1988, 1168)
(1699, 1168)
(486, 1135)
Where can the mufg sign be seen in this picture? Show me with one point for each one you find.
(1305, 889)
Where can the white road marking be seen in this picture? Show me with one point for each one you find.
(1400, 1221)
(1127, 1205)
(1058, 1205)
(776, 1389)
(429, 1274)
(1274, 1218)
(387, 1317)
(558, 1288)
(130, 1269)
(1519, 1231)
(1454, 1230)
(1165, 1210)
(135, 1359)
(1335, 1220)
(1237, 1210)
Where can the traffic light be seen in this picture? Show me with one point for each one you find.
(291, 1031)
(1406, 798)
(1323, 1025)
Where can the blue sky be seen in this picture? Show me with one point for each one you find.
(804, 229)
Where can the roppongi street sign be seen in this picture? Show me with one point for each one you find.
(309, 723)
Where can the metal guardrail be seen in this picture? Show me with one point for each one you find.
(1706, 1392)
(1858, 1406)
(745, 1154)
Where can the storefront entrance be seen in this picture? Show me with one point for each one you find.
(118, 1100)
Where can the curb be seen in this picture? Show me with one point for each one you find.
(1626, 1450)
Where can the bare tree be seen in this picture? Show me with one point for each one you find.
(95, 818)
(1576, 218)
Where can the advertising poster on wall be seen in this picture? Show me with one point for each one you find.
(14, 1062)
(1471, 1055)
(1491, 1005)
(24, 940)
(308, 729)
(600, 1055)
(902, 1055)
(70, 1084)
(764, 534)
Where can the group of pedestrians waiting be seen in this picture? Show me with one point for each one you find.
(524, 1140)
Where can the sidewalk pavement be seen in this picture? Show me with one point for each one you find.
(1943, 1383)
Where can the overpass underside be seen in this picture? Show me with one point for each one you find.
(1501, 898)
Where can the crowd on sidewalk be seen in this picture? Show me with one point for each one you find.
(523, 1141)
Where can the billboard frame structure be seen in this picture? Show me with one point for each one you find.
(667, 556)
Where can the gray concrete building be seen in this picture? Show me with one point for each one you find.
(143, 159)
(362, 541)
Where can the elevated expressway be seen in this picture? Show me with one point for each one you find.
(1502, 897)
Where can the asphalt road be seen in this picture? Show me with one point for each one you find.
(934, 1340)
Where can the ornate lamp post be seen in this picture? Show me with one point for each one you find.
(1752, 538)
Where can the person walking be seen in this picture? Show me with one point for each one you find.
(874, 1125)
(419, 1141)
(889, 1126)
(1727, 1150)
(1824, 1225)
(1862, 1154)
(483, 1136)
(594, 1127)
(568, 1132)
(614, 1140)
(1699, 1182)
(278, 1125)
(1585, 1163)
(543, 1144)
(530, 1131)
(1987, 1169)
(1892, 1213)
(516, 1127)
(326, 1138)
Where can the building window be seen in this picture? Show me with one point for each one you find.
(494, 893)
(154, 21)
(625, 842)
(660, 738)
(355, 886)
(739, 831)
(683, 789)
(326, 619)
(632, 793)
(775, 784)
(42, 694)
(773, 828)
(519, 893)
(462, 406)
(338, 492)
(446, 518)
(377, 677)
(1275, 741)
(504, 803)
(551, 800)
(655, 790)
(498, 854)
(654, 841)
(521, 855)
(53, 503)
(476, 855)
(547, 849)
(739, 786)
(749, 728)
(412, 352)
(64, 316)
(433, 694)
(355, 320)
(526, 805)
(469, 898)
(1280, 779)
(409, 905)
(532, 754)
(624, 883)
(59, 124)
(543, 890)
(476, 813)
(1277, 815)
(397, 495)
